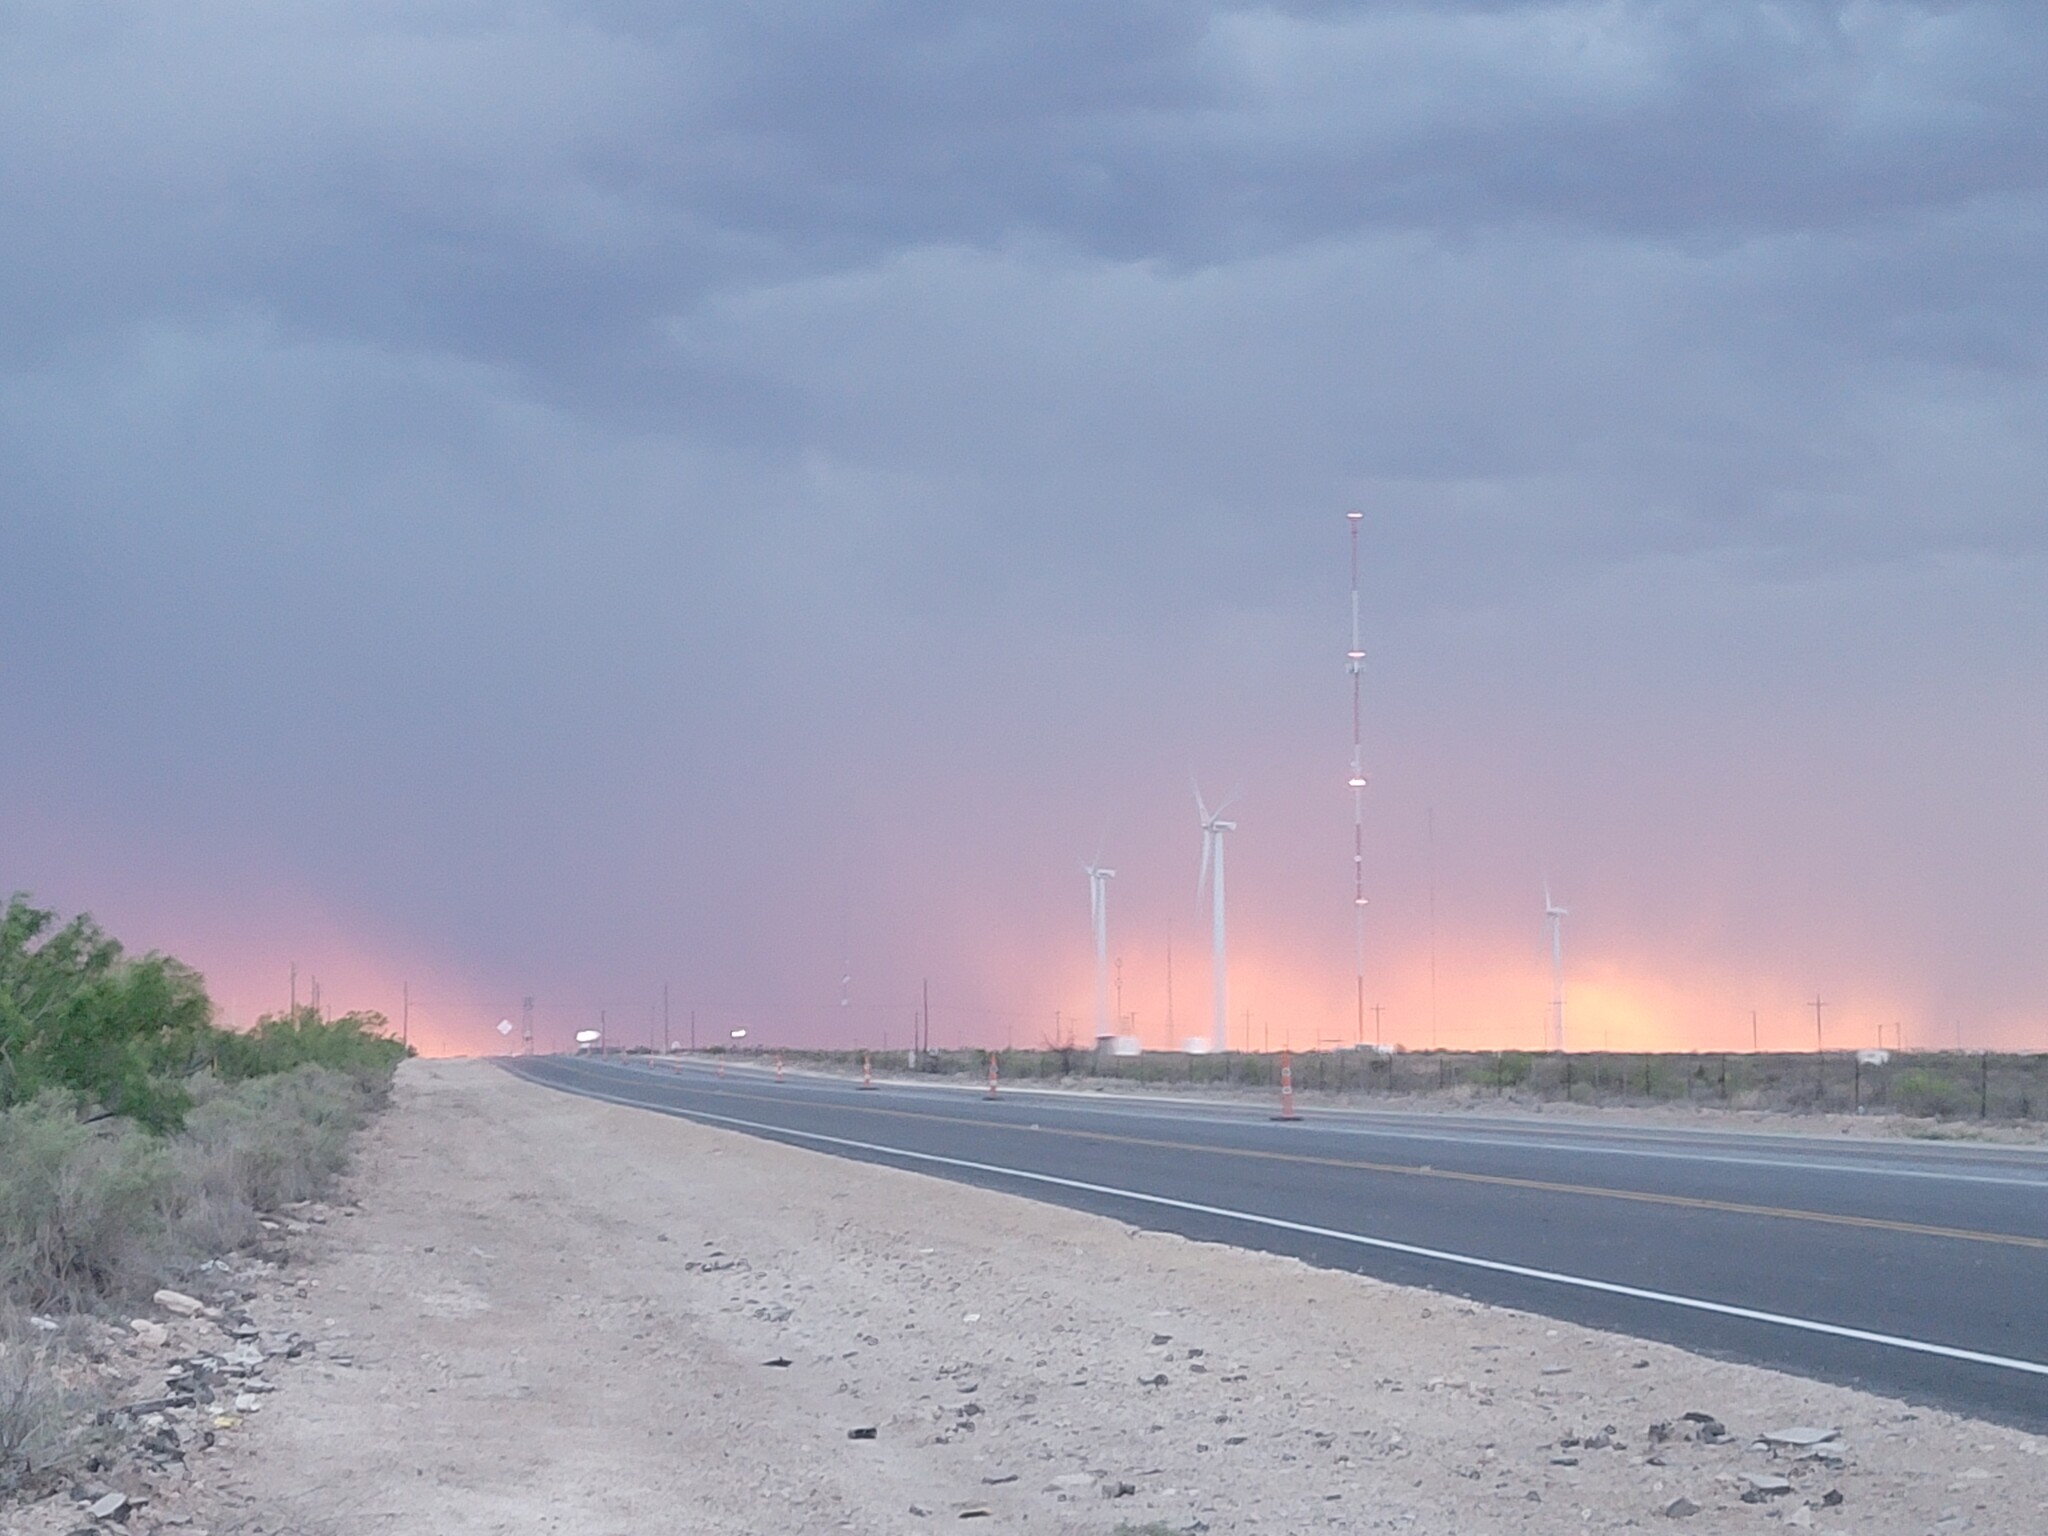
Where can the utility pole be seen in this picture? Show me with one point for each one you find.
(1376, 1023)
(1754, 1049)
(295, 989)
(693, 1031)
(1432, 927)
(927, 1015)
(667, 1041)
(1170, 1036)
(1820, 1051)
(526, 1023)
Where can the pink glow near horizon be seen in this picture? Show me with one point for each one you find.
(1488, 995)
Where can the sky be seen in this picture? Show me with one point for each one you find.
(561, 501)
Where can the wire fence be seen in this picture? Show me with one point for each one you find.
(1935, 1085)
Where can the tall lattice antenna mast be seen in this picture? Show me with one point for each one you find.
(1354, 661)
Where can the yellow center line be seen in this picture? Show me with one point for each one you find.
(1425, 1171)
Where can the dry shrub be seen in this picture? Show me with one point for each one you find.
(78, 1204)
(250, 1147)
(272, 1140)
(38, 1419)
(93, 1212)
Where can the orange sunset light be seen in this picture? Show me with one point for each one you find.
(1486, 999)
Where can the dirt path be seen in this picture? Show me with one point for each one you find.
(555, 1316)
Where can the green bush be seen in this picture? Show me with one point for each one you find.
(1921, 1092)
(1506, 1070)
(76, 1013)
(1662, 1079)
(354, 1045)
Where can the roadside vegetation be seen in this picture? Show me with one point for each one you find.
(139, 1141)
(1944, 1088)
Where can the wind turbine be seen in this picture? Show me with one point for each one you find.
(1098, 916)
(1556, 916)
(1213, 828)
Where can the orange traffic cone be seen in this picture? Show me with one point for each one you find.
(1287, 1087)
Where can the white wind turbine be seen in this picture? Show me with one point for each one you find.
(1556, 916)
(1213, 828)
(1098, 916)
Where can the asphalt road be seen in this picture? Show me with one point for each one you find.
(1915, 1270)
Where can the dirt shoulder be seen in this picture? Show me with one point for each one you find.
(549, 1314)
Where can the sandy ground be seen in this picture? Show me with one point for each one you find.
(547, 1314)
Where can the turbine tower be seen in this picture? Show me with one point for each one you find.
(1098, 917)
(1556, 916)
(1354, 662)
(1213, 828)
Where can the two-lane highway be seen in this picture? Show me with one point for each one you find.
(1916, 1270)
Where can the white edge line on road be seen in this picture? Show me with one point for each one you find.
(1383, 1244)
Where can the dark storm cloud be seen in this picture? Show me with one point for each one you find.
(538, 183)
(558, 477)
